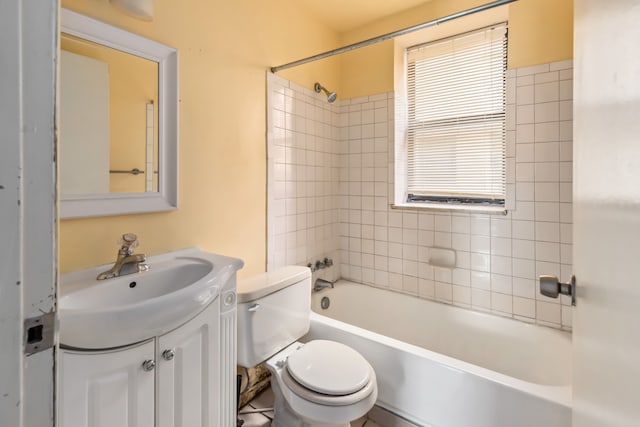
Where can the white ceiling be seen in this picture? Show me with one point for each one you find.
(346, 15)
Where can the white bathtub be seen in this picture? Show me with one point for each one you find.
(444, 366)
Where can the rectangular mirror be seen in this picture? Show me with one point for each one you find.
(118, 121)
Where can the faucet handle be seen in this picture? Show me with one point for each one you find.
(129, 242)
(129, 238)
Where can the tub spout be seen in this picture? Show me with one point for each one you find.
(322, 284)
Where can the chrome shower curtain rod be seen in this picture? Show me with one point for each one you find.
(393, 34)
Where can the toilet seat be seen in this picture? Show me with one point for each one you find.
(329, 373)
(329, 367)
(325, 399)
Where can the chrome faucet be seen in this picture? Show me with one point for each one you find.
(319, 265)
(127, 262)
(322, 284)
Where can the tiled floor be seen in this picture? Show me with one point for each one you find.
(385, 418)
(364, 422)
(258, 419)
(260, 415)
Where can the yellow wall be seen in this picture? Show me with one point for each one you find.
(540, 31)
(544, 32)
(225, 48)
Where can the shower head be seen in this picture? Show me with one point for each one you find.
(331, 96)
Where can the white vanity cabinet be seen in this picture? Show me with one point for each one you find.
(174, 380)
(155, 348)
(107, 388)
(188, 366)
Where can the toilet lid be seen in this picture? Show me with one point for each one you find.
(329, 367)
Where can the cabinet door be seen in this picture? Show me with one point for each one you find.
(107, 389)
(188, 373)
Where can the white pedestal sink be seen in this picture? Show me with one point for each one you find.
(101, 314)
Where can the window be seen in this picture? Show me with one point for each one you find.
(455, 148)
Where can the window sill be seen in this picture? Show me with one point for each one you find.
(496, 210)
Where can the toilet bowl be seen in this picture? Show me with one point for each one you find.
(321, 383)
(315, 384)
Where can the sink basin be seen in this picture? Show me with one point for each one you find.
(99, 314)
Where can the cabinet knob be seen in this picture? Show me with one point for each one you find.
(168, 354)
(148, 365)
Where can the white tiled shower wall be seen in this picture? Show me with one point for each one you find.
(302, 176)
(498, 257)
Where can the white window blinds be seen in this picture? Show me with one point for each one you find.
(456, 119)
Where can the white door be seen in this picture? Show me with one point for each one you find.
(84, 88)
(27, 211)
(189, 382)
(606, 331)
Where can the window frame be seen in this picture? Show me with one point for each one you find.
(400, 185)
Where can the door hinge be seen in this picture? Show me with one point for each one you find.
(38, 333)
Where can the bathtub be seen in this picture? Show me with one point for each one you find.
(440, 365)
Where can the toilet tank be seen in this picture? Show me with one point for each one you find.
(273, 312)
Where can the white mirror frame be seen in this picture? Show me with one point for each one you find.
(88, 205)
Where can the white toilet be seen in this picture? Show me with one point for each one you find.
(317, 384)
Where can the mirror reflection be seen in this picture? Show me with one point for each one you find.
(108, 120)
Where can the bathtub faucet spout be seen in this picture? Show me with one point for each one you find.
(322, 284)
